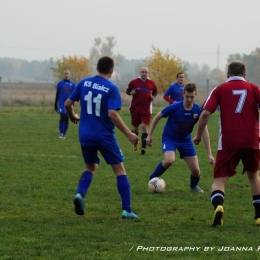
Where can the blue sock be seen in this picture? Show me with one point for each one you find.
(65, 128)
(123, 187)
(61, 127)
(159, 170)
(84, 183)
(194, 181)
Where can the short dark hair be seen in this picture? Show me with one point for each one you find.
(236, 68)
(179, 73)
(190, 87)
(105, 64)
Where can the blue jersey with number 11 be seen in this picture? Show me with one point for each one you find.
(97, 95)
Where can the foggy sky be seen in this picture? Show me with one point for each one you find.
(198, 31)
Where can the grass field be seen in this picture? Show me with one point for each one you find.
(38, 177)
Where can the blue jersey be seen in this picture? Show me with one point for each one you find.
(97, 95)
(65, 88)
(175, 92)
(180, 121)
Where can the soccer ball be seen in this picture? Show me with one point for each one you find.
(156, 185)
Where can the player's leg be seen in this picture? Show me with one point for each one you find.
(251, 167)
(135, 121)
(217, 199)
(193, 164)
(115, 158)
(145, 124)
(169, 159)
(189, 154)
(64, 120)
(124, 189)
(169, 147)
(91, 160)
(225, 167)
(63, 124)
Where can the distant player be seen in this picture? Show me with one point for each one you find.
(182, 116)
(238, 102)
(143, 91)
(174, 92)
(63, 90)
(99, 101)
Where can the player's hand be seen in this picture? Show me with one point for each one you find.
(149, 141)
(211, 159)
(133, 92)
(74, 119)
(196, 140)
(133, 138)
(56, 108)
(152, 98)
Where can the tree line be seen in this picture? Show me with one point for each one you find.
(163, 66)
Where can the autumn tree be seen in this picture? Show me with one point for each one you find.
(102, 48)
(163, 68)
(78, 66)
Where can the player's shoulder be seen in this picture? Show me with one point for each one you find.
(61, 82)
(196, 106)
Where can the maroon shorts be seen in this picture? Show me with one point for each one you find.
(138, 118)
(227, 161)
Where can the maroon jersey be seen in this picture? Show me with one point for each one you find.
(141, 101)
(237, 101)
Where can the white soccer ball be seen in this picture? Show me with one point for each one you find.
(156, 185)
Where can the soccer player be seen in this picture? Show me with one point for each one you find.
(174, 92)
(143, 91)
(63, 90)
(182, 116)
(99, 101)
(237, 101)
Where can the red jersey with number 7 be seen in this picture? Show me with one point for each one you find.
(238, 102)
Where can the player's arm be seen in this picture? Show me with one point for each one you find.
(56, 101)
(154, 93)
(70, 111)
(119, 123)
(130, 89)
(206, 139)
(203, 120)
(155, 121)
(167, 98)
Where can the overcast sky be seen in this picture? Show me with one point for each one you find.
(193, 30)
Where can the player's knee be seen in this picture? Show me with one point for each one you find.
(64, 118)
(167, 163)
(195, 172)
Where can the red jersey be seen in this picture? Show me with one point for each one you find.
(141, 101)
(237, 101)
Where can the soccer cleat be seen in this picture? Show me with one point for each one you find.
(79, 204)
(61, 136)
(142, 151)
(197, 189)
(257, 222)
(218, 215)
(129, 215)
(135, 146)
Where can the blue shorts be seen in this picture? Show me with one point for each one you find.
(112, 154)
(62, 109)
(186, 148)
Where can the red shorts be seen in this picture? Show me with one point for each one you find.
(138, 118)
(227, 161)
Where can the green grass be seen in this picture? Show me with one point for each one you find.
(38, 177)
